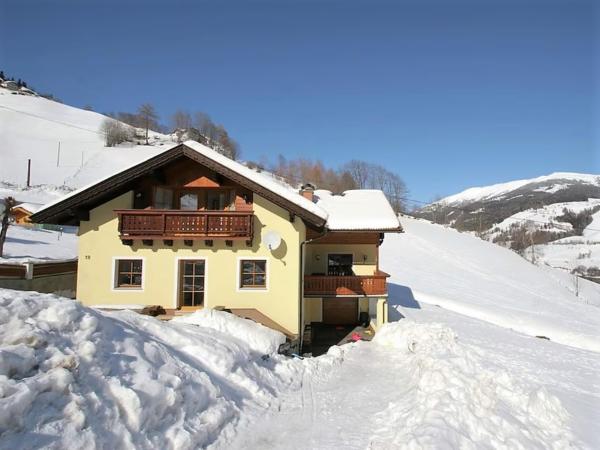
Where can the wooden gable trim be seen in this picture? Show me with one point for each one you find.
(254, 187)
(62, 212)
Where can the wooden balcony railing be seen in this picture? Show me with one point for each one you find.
(346, 285)
(188, 225)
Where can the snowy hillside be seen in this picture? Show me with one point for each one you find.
(525, 212)
(579, 253)
(433, 264)
(34, 128)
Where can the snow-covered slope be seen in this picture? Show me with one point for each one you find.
(520, 212)
(573, 252)
(460, 272)
(34, 128)
(29, 244)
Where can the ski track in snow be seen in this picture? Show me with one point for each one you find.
(416, 386)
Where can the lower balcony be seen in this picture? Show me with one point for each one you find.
(360, 285)
(149, 224)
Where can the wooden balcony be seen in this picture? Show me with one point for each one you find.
(360, 285)
(148, 224)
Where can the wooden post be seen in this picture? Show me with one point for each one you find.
(28, 172)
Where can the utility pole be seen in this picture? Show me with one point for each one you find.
(28, 172)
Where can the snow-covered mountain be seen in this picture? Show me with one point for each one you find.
(552, 219)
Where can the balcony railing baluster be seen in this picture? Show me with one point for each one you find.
(177, 224)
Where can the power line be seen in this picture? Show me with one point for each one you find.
(52, 120)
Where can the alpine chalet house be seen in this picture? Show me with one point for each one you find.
(189, 228)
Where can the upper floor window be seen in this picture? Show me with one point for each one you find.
(253, 273)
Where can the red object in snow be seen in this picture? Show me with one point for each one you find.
(356, 337)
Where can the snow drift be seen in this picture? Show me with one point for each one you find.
(258, 337)
(454, 399)
(73, 377)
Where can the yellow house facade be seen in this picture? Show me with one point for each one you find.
(190, 229)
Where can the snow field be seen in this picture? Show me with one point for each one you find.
(457, 401)
(29, 244)
(72, 377)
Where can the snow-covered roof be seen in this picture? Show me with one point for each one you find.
(31, 207)
(353, 210)
(363, 209)
(267, 182)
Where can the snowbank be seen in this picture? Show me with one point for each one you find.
(457, 402)
(258, 337)
(73, 377)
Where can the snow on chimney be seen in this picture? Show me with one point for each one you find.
(307, 191)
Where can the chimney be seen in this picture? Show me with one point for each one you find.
(307, 191)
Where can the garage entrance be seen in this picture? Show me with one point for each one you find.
(340, 311)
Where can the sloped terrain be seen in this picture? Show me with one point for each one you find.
(36, 128)
(460, 272)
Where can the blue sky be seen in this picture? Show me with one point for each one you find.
(449, 94)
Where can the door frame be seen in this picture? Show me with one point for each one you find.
(177, 279)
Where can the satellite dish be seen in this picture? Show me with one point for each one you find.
(272, 239)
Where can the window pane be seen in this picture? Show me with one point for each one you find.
(259, 280)
(199, 283)
(247, 280)
(199, 267)
(188, 299)
(124, 265)
(124, 280)
(188, 201)
(136, 265)
(163, 198)
(137, 280)
(198, 298)
(259, 266)
(247, 266)
(188, 268)
(188, 284)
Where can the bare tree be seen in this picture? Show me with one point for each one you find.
(359, 170)
(147, 116)
(115, 132)
(181, 120)
(6, 207)
(205, 125)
